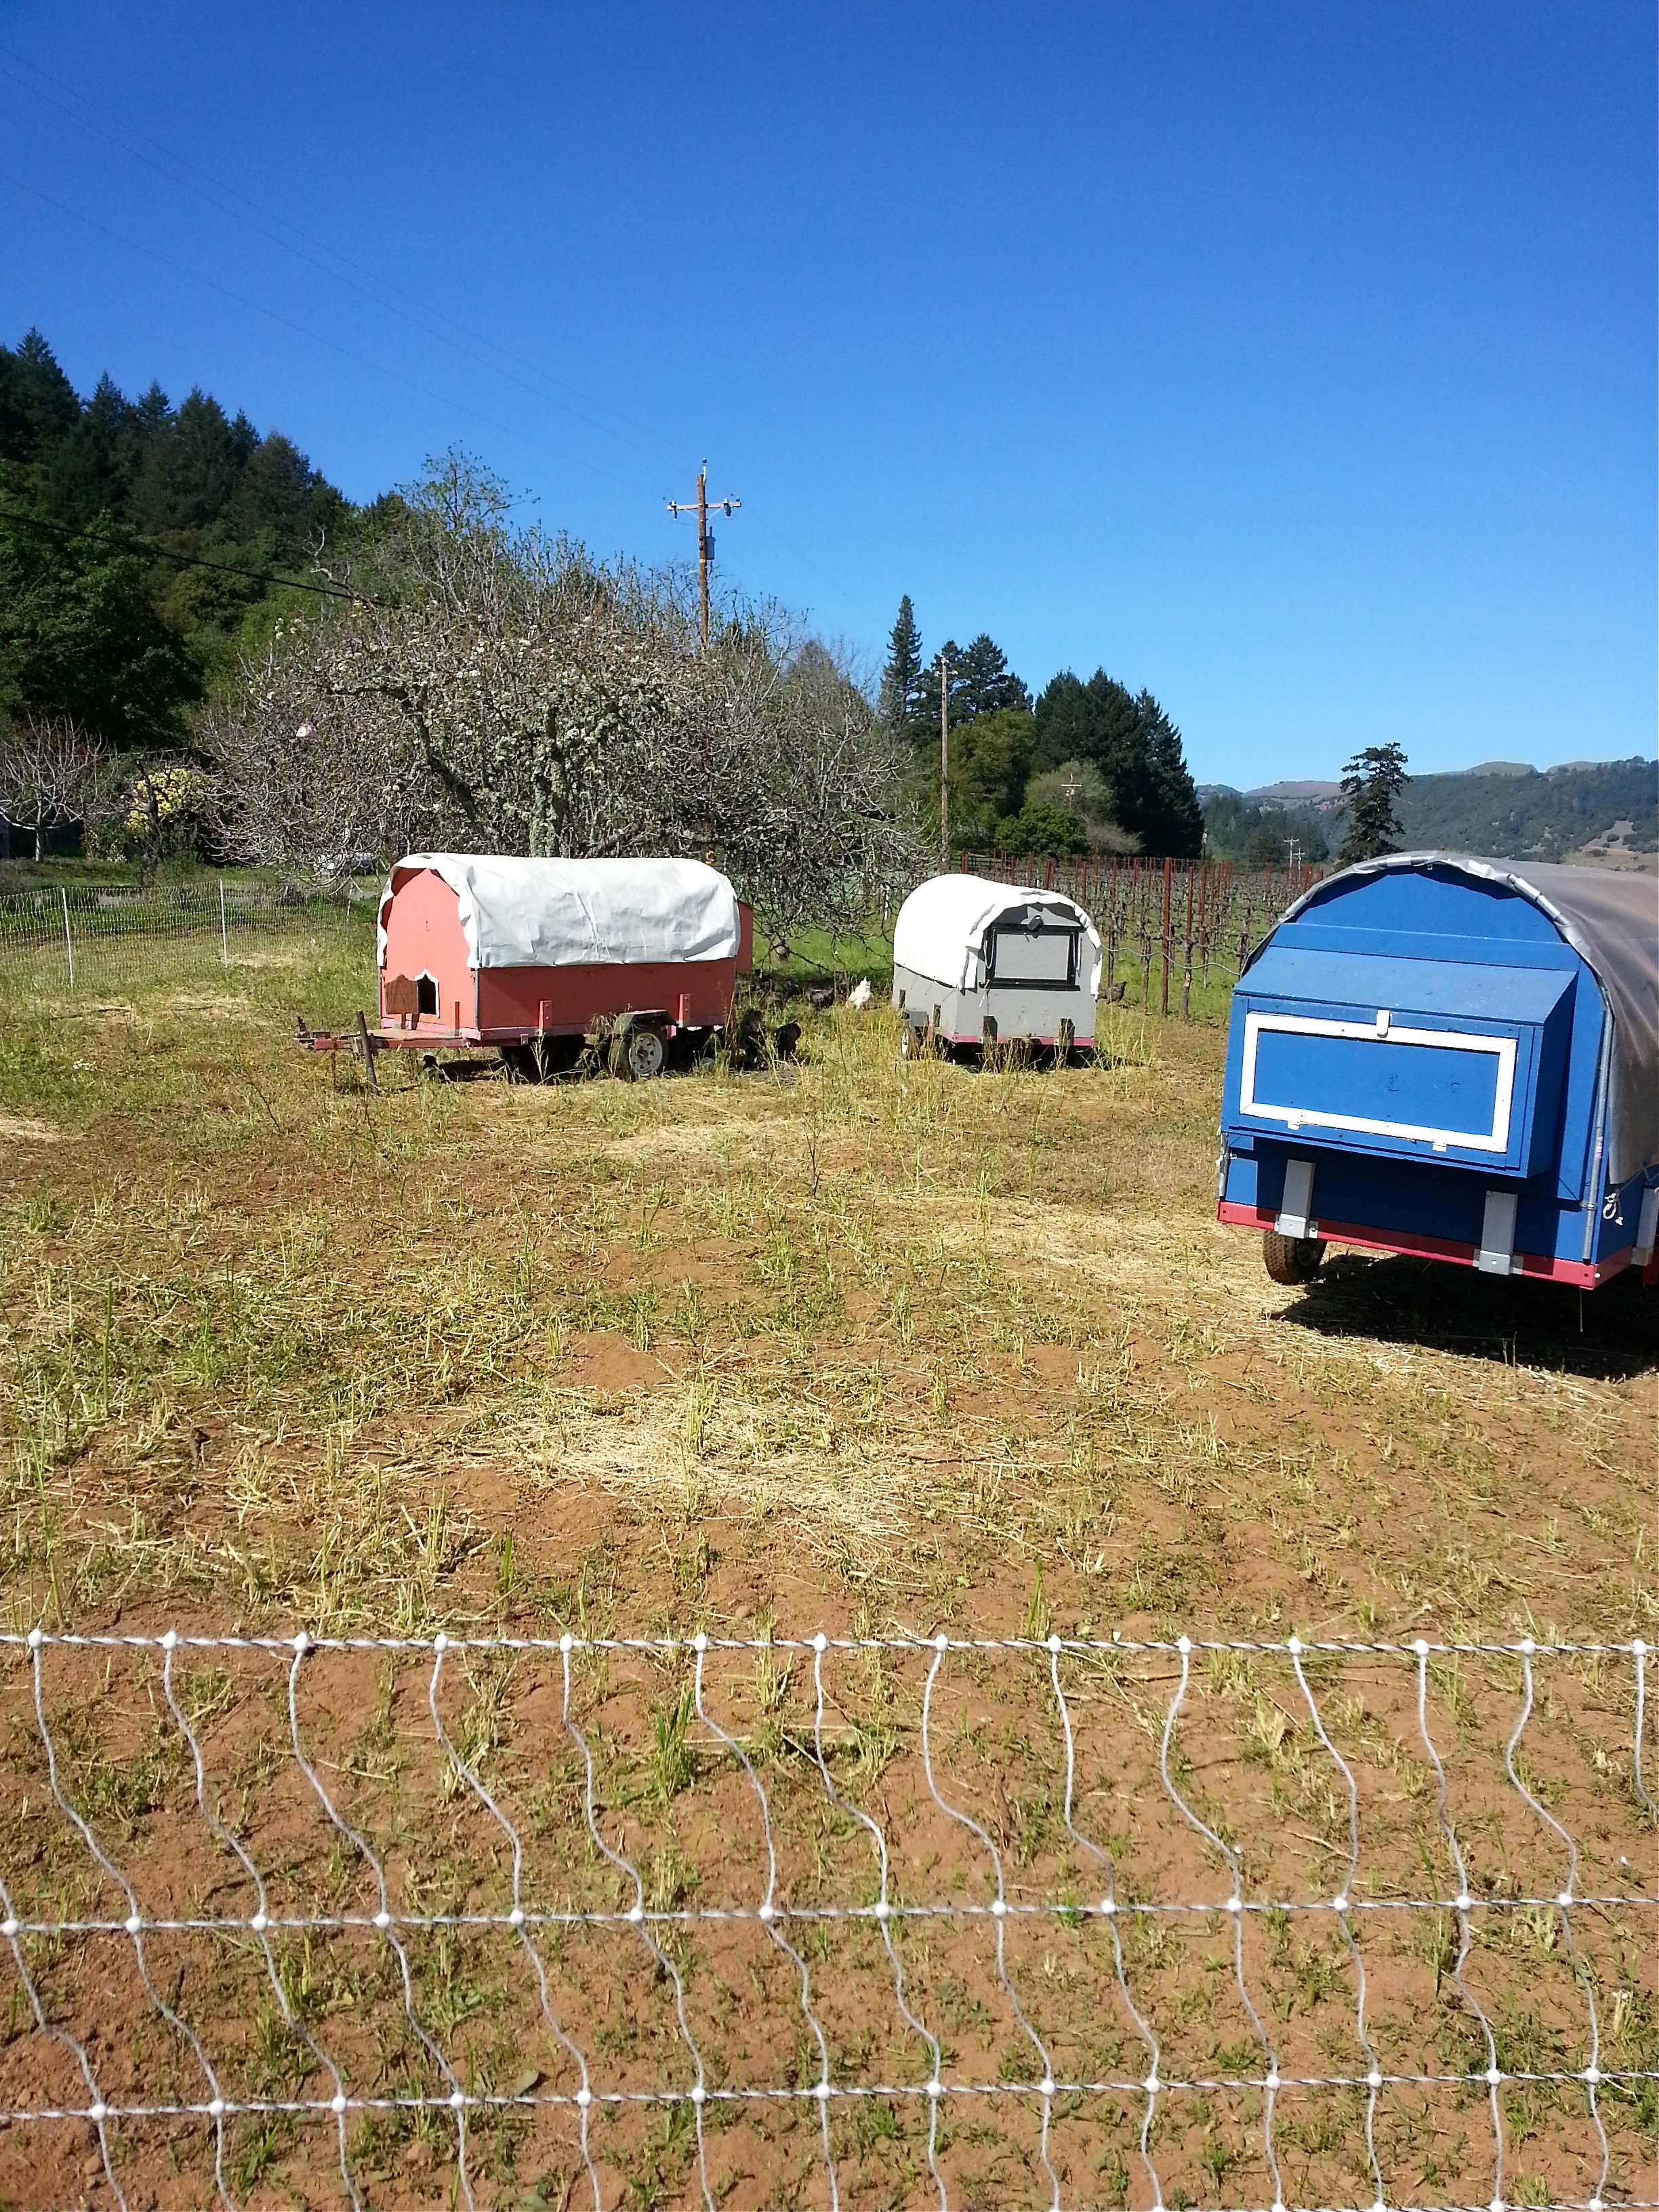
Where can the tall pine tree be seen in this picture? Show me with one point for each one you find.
(1136, 748)
(983, 682)
(1372, 781)
(903, 669)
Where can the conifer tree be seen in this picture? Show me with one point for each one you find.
(1372, 781)
(899, 677)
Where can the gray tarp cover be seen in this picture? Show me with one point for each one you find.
(518, 913)
(1610, 917)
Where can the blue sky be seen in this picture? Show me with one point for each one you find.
(1298, 362)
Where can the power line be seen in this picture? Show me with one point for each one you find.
(377, 290)
(315, 337)
(189, 559)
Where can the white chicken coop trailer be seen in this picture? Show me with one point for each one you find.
(980, 963)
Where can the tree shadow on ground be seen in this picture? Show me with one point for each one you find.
(1609, 1334)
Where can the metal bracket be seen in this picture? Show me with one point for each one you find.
(1296, 1204)
(1496, 1253)
(1646, 1227)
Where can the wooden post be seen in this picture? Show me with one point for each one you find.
(366, 1049)
(944, 763)
(1169, 886)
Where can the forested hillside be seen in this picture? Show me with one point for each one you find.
(1501, 811)
(1262, 836)
(123, 525)
(1542, 816)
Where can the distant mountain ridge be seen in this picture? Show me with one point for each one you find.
(1594, 809)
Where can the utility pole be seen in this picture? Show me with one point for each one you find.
(943, 763)
(700, 506)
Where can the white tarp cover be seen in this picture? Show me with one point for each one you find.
(941, 926)
(1610, 917)
(562, 913)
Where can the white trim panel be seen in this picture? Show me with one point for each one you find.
(1502, 1049)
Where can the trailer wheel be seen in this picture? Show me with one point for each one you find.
(1292, 1259)
(912, 1045)
(638, 1054)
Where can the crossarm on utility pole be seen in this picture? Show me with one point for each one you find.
(700, 506)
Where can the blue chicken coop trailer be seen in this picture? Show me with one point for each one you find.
(1452, 1057)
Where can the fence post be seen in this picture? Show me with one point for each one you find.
(224, 934)
(1168, 884)
(69, 942)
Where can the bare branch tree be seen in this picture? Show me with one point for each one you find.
(311, 774)
(510, 692)
(51, 774)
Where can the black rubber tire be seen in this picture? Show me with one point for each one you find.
(1291, 1260)
(638, 1054)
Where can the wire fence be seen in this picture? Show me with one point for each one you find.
(1190, 917)
(1186, 919)
(827, 1920)
(58, 940)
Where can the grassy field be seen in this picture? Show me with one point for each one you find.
(872, 1348)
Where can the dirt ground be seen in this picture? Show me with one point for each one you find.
(873, 1350)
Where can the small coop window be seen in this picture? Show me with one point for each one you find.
(1045, 958)
(427, 988)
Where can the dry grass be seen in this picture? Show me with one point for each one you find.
(859, 1345)
(912, 1331)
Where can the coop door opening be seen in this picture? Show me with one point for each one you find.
(426, 986)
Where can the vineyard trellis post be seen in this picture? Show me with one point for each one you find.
(1169, 886)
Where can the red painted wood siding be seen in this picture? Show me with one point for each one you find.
(424, 937)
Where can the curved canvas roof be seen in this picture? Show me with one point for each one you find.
(942, 924)
(550, 914)
(1611, 919)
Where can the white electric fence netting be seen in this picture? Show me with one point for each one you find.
(831, 1920)
(92, 937)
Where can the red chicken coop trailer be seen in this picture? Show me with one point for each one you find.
(532, 957)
